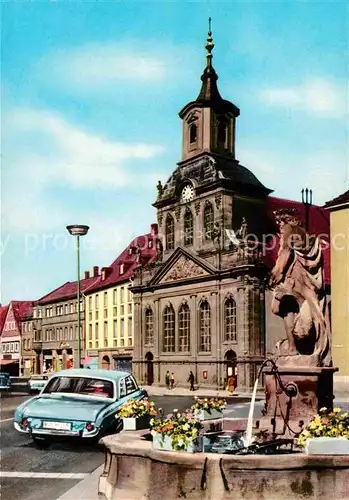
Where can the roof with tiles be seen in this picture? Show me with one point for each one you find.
(141, 251)
(319, 222)
(67, 291)
(3, 314)
(342, 199)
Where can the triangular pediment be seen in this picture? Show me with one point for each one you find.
(182, 266)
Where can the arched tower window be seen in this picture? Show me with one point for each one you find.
(205, 327)
(230, 320)
(208, 221)
(188, 228)
(184, 328)
(169, 232)
(149, 327)
(169, 329)
(193, 133)
(222, 135)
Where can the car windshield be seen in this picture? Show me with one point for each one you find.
(81, 385)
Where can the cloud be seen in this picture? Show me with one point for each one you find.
(317, 96)
(43, 152)
(105, 66)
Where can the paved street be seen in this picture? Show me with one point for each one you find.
(29, 473)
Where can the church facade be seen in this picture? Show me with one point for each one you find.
(200, 306)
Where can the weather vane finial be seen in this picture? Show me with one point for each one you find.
(209, 43)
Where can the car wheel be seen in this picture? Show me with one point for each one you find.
(41, 442)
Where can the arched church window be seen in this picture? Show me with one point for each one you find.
(208, 221)
(205, 327)
(169, 232)
(222, 135)
(230, 320)
(184, 328)
(149, 327)
(169, 329)
(193, 133)
(188, 228)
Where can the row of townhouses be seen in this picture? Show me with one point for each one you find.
(191, 294)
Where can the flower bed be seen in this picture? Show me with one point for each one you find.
(327, 433)
(179, 432)
(136, 415)
(208, 408)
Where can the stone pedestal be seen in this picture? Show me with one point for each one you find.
(307, 390)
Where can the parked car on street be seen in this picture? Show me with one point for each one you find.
(5, 382)
(37, 382)
(77, 403)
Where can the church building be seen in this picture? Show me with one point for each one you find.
(200, 305)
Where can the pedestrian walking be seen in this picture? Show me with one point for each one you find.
(191, 380)
(172, 380)
(167, 379)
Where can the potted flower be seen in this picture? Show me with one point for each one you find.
(327, 433)
(177, 432)
(136, 414)
(208, 408)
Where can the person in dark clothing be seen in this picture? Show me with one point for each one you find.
(167, 379)
(191, 380)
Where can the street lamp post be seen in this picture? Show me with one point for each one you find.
(307, 200)
(78, 230)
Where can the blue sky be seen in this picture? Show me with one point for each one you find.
(90, 98)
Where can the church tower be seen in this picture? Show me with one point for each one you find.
(198, 305)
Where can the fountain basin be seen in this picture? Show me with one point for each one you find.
(134, 470)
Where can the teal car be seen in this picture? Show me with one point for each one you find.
(77, 403)
(5, 382)
(37, 382)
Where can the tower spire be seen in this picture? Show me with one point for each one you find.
(209, 44)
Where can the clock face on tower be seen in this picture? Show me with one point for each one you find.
(187, 193)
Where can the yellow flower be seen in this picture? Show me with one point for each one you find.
(336, 410)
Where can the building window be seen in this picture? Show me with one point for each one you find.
(169, 330)
(208, 221)
(169, 232)
(71, 334)
(222, 135)
(122, 327)
(115, 328)
(184, 328)
(65, 333)
(90, 332)
(230, 320)
(129, 295)
(115, 296)
(122, 295)
(90, 316)
(115, 311)
(90, 303)
(96, 334)
(188, 228)
(205, 327)
(129, 326)
(130, 341)
(66, 309)
(122, 310)
(105, 313)
(130, 309)
(193, 133)
(149, 327)
(105, 299)
(97, 315)
(122, 342)
(97, 301)
(72, 307)
(115, 342)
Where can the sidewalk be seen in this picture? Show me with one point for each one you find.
(87, 489)
(199, 392)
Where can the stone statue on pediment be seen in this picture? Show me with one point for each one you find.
(299, 298)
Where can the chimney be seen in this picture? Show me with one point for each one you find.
(95, 271)
(87, 275)
(154, 229)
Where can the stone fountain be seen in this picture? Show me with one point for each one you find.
(298, 382)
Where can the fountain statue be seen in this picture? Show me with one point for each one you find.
(303, 359)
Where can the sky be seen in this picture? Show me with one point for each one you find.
(90, 95)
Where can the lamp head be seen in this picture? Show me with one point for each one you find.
(78, 230)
